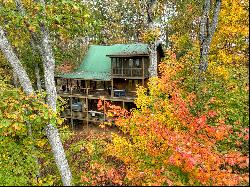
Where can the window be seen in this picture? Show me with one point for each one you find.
(137, 63)
(113, 60)
(116, 63)
(130, 63)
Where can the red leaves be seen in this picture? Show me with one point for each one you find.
(201, 121)
(168, 131)
(99, 105)
(236, 158)
(102, 175)
(212, 113)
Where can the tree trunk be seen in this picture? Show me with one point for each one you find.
(152, 59)
(21, 10)
(15, 63)
(19, 71)
(206, 33)
(38, 78)
(51, 131)
(153, 45)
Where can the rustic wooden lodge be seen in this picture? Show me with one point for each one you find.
(107, 72)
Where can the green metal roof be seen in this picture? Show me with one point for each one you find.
(96, 65)
(129, 49)
(105, 76)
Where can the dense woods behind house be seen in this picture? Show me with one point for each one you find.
(124, 92)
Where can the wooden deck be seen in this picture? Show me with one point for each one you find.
(85, 114)
(103, 97)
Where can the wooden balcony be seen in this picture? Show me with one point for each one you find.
(100, 93)
(129, 72)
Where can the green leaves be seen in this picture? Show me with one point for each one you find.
(22, 136)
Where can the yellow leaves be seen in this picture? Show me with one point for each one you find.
(10, 116)
(102, 125)
(142, 99)
(5, 133)
(5, 2)
(75, 8)
(229, 37)
(90, 148)
(60, 121)
(41, 143)
(218, 70)
(121, 148)
(16, 126)
(150, 35)
(32, 28)
(222, 72)
(33, 116)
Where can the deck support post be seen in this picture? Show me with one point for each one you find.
(112, 88)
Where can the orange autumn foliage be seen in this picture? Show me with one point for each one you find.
(164, 134)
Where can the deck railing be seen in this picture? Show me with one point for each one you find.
(128, 72)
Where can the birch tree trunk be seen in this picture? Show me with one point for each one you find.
(153, 45)
(51, 131)
(38, 78)
(49, 66)
(153, 59)
(15, 63)
(21, 10)
(19, 71)
(206, 32)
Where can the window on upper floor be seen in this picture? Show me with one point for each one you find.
(116, 63)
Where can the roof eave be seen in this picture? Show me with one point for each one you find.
(129, 55)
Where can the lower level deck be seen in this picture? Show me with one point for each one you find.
(84, 107)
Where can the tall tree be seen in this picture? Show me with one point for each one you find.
(42, 41)
(153, 44)
(207, 30)
(51, 131)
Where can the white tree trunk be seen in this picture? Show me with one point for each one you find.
(15, 63)
(153, 59)
(152, 47)
(51, 131)
(49, 66)
(38, 78)
(206, 33)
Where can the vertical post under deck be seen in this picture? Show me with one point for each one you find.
(143, 73)
(87, 104)
(104, 109)
(112, 87)
(70, 86)
(71, 116)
